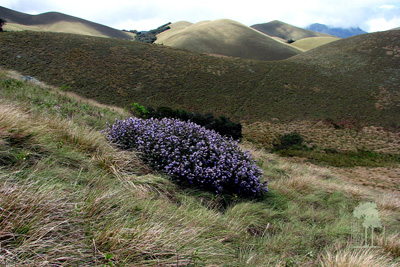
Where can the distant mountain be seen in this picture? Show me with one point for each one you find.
(286, 31)
(58, 22)
(339, 32)
(227, 38)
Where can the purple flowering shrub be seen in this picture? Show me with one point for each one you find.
(190, 154)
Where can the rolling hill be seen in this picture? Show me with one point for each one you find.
(353, 80)
(227, 38)
(57, 22)
(313, 42)
(174, 28)
(286, 31)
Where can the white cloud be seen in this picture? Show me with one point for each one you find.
(388, 7)
(143, 15)
(381, 24)
(145, 24)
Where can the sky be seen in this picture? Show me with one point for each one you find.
(369, 15)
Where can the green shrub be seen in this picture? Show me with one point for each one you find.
(289, 141)
(222, 125)
(191, 155)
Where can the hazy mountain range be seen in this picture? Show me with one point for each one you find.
(335, 31)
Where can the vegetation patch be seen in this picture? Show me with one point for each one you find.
(77, 201)
(191, 155)
(221, 125)
(332, 157)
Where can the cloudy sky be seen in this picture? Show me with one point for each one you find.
(370, 15)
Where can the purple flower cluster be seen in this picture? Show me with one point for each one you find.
(190, 154)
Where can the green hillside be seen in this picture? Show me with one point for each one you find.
(313, 42)
(69, 198)
(354, 80)
(227, 38)
(286, 31)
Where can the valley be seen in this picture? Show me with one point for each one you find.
(70, 197)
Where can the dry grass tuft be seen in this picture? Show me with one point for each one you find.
(38, 219)
(355, 257)
(391, 244)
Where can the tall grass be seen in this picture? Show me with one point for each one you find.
(69, 198)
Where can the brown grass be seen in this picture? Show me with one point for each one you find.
(323, 134)
(355, 257)
(229, 38)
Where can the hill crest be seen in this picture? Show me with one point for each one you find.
(58, 22)
(229, 38)
(286, 31)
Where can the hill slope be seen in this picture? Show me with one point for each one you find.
(352, 80)
(68, 198)
(286, 31)
(313, 42)
(228, 38)
(57, 22)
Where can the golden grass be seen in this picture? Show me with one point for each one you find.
(326, 136)
(175, 28)
(313, 42)
(35, 219)
(229, 38)
(355, 257)
(64, 27)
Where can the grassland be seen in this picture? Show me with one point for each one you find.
(69, 198)
(228, 38)
(64, 27)
(349, 81)
(313, 42)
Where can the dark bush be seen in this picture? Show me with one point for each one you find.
(150, 36)
(2, 23)
(289, 141)
(191, 155)
(221, 125)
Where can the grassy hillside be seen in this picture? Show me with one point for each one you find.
(68, 198)
(286, 31)
(174, 28)
(57, 22)
(313, 42)
(121, 72)
(228, 38)
(351, 81)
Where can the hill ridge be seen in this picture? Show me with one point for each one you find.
(51, 18)
(229, 38)
(286, 31)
